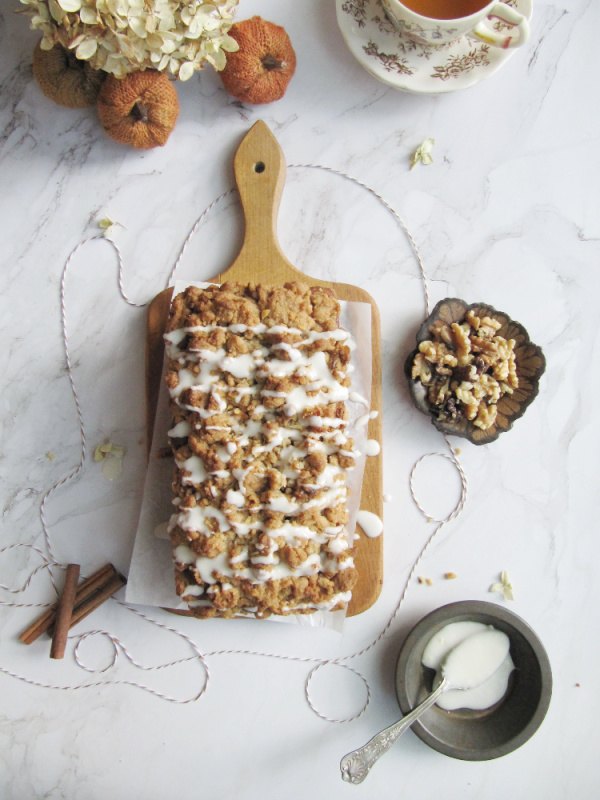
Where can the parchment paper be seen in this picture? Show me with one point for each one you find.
(151, 579)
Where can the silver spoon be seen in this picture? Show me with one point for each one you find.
(469, 664)
(355, 766)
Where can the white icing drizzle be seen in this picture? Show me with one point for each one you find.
(355, 397)
(372, 448)
(193, 589)
(180, 430)
(195, 466)
(324, 422)
(238, 366)
(194, 519)
(242, 556)
(262, 567)
(370, 523)
(184, 555)
(224, 454)
(235, 498)
(364, 420)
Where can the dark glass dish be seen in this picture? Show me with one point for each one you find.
(529, 360)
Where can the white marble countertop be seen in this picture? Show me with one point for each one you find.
(507, 214)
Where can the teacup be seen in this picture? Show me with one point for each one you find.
(438, 22)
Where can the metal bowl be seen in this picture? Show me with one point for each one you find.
(493, 732)
(530, 365)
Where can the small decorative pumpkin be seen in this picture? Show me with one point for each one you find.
(140, 109)
(65, 79)
(259, 72)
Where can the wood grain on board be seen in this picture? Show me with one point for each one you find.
(259, 168)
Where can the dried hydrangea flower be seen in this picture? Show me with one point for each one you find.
(123, 36)
(504, 587)
(107, 225)
(422, 154)
(111, 456)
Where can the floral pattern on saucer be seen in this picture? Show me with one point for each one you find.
(400, 62)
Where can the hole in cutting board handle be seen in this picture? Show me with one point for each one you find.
(259, 166)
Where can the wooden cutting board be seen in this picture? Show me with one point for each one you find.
(259, 168)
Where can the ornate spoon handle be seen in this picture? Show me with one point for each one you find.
(355, 766)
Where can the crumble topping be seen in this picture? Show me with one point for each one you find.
(258, 378)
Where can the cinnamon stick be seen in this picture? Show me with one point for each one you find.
(95, 600)
(41, 625)
(93, 583)
(86, 589)
(64, 612)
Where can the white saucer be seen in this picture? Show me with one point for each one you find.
(399, 62)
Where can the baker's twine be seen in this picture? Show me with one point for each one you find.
(48, 560)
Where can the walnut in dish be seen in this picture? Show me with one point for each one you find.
(466, 367)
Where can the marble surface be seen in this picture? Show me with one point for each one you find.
(506, 214)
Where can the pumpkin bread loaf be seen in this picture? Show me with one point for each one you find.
(258, 378)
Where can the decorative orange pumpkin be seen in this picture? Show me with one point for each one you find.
(65, 79)
(140, 109)
(259, 72)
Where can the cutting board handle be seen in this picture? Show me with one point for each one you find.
(259, 168)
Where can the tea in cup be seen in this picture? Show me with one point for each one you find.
(438, 22)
